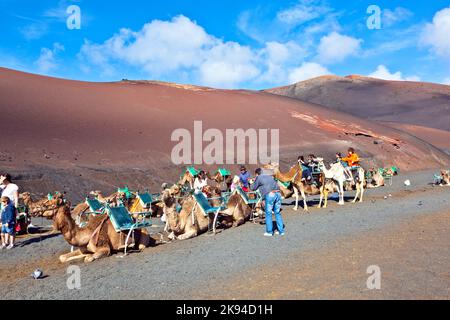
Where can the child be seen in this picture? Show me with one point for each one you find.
(352, 160)
(306, 170)
(8, 223)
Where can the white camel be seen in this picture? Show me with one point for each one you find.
(337, 173)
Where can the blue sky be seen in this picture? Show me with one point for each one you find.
(251, 44)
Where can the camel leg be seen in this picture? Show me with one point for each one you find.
(357, 193)
(326, 198)
(188, 235)
(305, 205)
(100, 253)
(321, 198)
(296, 198)
(362, 192)
(341, 194)
(71, 256)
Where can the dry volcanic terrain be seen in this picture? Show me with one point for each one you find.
(78, 136)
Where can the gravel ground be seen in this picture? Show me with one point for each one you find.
(216, 266)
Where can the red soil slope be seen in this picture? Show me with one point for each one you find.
(419, 103)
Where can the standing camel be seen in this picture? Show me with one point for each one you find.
(294, 177)
(336, 172)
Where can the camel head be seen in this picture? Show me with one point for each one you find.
(25, 196)
(445, 174)
(271, 166)
(96, 193)
(170, 209)
(62, 217)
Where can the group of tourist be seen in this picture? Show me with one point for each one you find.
(9, 202)
(270, 190)
(266, 184)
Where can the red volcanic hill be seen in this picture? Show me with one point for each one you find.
(417, 103)
(78, 136)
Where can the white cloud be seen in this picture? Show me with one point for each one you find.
(436, 34)
(307, 71)
(34, 31)
(383, 73)
(391, 17)
(181, 46)
(446, 81)
(47, 59)
(228, 64)
(304, 11)
(335, 48)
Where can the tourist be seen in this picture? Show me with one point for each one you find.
(8, 223)
(244, 177)
(200, 182)
(306, 170)
(270, 192)
(352, 160)
(9, 189)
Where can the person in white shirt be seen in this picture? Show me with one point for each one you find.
(9, 189)
(200, 182)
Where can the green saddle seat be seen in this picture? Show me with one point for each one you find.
(122, 221)
(224, 172)
(246, 198)
(95, 206)
(204, 204)
(193, 172)
(126, 191)
(148, 199)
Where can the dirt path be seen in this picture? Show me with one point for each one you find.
(324, 254)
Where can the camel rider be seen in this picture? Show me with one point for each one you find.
(352, 161)
(347, 172)
(313, 163)
(200, 182)
(306, 170)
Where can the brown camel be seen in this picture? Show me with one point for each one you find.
(97, 239)
(40, 208)
(377, 179)
(189, 223)
(187, 178)
(445, 177)
(294, 177)
(221, 181)
(237, 211)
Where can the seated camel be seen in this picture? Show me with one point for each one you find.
(97, 239)
(40, 208)
(221, 181)
(191, 222)
(237, 211)
(376, 179)
(445, 174)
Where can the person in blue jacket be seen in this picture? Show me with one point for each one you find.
(270, 192)
(8, 223)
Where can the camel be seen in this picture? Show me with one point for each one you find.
(156, 209)
(187, 178)
(191, 222)
(376, 179)
(221, 180)
(294, 177)
(445, 174)
(97, 239)
(39, 208)
(337, 171)
(237, 212)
